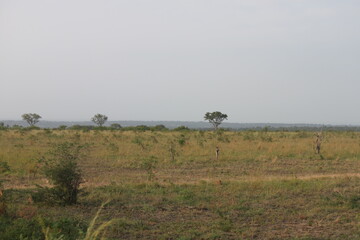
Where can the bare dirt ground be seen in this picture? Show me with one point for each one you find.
(101, 177)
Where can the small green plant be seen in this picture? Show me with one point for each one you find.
(172, 150)
(354, 202)
(266, 138)
(62, 229)
(248, 136)
(149, 165)
(4, 167)
(73, 230)
(181, 140)
(139, 141)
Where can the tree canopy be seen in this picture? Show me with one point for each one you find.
(215, 118)
(99, 119)
(31, 118)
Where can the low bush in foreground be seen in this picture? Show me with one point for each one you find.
(62, 170)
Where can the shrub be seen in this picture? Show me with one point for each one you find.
(62, 127)
(181, 140)
(62, 170)
(160, 127)
(84, 128)
(142, 128)
(181, 128)
(68, 228)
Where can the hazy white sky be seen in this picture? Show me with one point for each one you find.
(289, 61)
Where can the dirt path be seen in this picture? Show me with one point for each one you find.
(299, 177)
(28, 184)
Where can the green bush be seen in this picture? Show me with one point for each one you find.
(12, 229)
(62, 170)
(62, 127)
(160, 127)
(69, 228)
(181, 140)
(181, 128)
(33, 229)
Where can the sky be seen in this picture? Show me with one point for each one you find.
(258, 61)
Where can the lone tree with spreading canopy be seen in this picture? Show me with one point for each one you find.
(99, 119)
(31, 118)
(215, 118)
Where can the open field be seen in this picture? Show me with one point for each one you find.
(265, 185)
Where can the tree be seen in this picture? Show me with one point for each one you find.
(215, 118)
(31, 118)
(99, 119)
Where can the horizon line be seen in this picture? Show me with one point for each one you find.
(285, 123)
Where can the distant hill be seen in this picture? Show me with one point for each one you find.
(189, 124)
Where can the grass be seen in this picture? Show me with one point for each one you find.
(265, 185)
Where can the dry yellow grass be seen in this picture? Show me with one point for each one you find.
(116, 156)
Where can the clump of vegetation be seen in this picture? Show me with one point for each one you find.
(62, 127)
(173, 151)
(264, 136)
(139, 141)
(182, 128)
(249, 136)
(62, 170)
(49, 229)
(221, 137)
(4, 168)
(160, 127)
(181, 140)
(3, 127)
(149, 165)
(72, 230)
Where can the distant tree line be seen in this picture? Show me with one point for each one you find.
(214, 118)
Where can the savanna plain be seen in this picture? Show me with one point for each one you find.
(170, 185)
